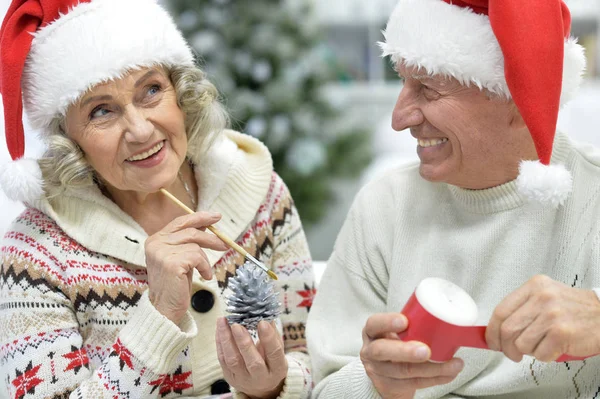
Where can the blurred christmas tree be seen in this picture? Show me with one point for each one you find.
(264, 56)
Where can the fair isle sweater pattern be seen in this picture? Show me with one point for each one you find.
(64, 310)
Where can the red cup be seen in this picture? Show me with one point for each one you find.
(437, 313)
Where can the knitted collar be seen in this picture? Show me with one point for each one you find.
(507, 196)
(233, 179)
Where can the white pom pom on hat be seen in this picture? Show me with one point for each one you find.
(21, 180)
(549, 184)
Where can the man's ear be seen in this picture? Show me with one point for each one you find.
(516, 120)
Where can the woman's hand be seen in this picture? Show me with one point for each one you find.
(259, 371)
(545, 319)
(397, 368)
(172, 254)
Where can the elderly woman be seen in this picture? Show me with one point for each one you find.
(499, 204)
(107, 288)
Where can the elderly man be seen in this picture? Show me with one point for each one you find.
(499, 205)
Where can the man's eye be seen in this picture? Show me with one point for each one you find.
(99, 112)
(430, 93)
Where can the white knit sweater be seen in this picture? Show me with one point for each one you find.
(403, 229)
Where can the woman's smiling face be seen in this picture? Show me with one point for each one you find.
(131, 130)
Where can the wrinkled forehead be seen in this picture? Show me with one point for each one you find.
(422, 74)
(130, 77)
(128, 80)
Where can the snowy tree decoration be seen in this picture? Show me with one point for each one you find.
(268, 58)
(306, 155)
(253, 297)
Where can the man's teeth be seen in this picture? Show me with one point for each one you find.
(148, 153)
(431, 143)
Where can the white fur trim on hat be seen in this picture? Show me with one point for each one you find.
(547, 184)
(454, 41)
(93, 43)
(21, 180)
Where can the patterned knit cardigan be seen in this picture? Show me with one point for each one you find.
(76, 322)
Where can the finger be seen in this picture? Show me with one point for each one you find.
(378, 325)
(220, 355)
(204, 267)
(502, 312)
(190, 258)
(192, 235)
(194, 220)
(420, 383)
(513, 328)
(386, 350)
(416, 370)
(280, 336)
(261, 349)
(272, 345)
(552, 337)
(202, 263)
(414, 384)
(549, 349)
(231, 355)
(254, 362)
(218, 339)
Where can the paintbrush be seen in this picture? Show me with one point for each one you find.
(223, 237)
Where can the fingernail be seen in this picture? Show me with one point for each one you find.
(263, 327)
(399, 323)
(421, 352)
(237, 331)
(223, 324)
(457, 366)
(215, 215)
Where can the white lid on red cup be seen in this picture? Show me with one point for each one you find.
(447, 301)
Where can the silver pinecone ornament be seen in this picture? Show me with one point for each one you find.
(253, 297)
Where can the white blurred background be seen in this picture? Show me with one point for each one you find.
(367, 94)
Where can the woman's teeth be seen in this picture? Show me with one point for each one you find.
(431, 143)
(148, 153)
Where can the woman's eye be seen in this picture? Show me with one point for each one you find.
(154, 89)
(99, 112)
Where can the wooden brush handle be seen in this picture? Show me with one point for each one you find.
(213, 229)
(223, 237)
(227, 240)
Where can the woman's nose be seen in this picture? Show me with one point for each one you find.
(138, 126)
(407, 112)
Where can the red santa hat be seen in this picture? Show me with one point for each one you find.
(520, 50)
(53, 51)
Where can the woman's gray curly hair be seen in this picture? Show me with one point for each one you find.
(64, 165)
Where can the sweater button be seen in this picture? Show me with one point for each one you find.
(203, 301)
(218, 387)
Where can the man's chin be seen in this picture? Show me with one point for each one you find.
(432, 173)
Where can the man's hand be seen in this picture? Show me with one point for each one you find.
(399, 368)
(545, 319)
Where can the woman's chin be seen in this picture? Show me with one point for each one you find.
(150, 185)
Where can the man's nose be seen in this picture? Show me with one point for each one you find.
(407, 112)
